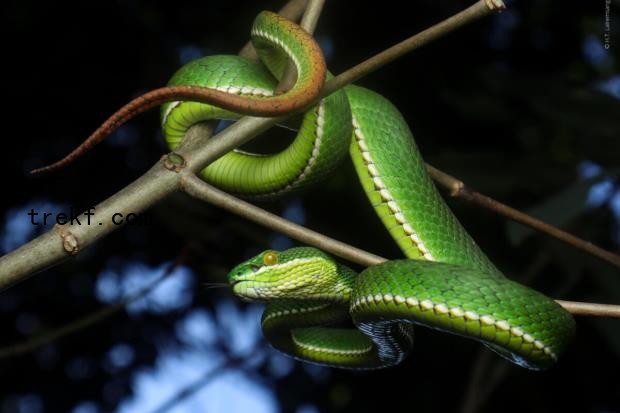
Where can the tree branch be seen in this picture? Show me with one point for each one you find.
(308, 22)
(64, 241)
(194, 154)
(591, 309)
(480, 9)
(199, 189)
(459, 189)
(81, 323)
(311, 16)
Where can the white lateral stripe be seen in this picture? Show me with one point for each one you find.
(278, 314)
(310, 347)
(386, 196)
(169, 109)
(316, 148)
(234, 90)
(246, 90)
(273, 39)
(442, 309)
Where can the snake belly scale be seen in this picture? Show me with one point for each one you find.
(446, 283)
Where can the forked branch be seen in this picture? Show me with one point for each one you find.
(199, 189)
(194, 154)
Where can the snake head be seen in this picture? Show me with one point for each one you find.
(297, 273)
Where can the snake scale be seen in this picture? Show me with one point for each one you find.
(318, 309)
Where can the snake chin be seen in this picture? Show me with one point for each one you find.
(246, 291)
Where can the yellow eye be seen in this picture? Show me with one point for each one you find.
(270, 258)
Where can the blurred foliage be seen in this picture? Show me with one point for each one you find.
(512, 105)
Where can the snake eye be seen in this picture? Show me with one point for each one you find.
(270, 258)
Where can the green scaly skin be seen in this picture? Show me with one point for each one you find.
(310, 158)
(447, 283)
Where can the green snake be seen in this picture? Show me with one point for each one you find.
(447, 283)
(319, 310)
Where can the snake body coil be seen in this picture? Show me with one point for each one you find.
(447, 283)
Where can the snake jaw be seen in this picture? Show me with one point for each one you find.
(246, 292)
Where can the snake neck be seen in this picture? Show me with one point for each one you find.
(343, 286)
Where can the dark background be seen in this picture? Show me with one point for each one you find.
(522, 106)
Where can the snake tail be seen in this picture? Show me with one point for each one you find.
(271, 34)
